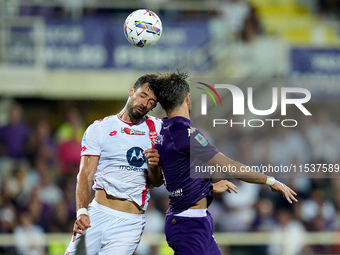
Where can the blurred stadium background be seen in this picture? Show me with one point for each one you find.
(64, 64)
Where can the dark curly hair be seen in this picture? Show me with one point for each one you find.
(171, 89)
(150, 79)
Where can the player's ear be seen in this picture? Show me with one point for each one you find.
(187, 98)
(131, 91)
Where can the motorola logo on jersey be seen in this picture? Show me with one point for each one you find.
(135, 156)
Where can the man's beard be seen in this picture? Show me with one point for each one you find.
(134, 115)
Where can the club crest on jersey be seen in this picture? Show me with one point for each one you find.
(159, 139)
(153, 137)
(135, 157)
(130, 131)
(201, 139)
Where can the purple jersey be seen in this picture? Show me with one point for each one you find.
(181, 148)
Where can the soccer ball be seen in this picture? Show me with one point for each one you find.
(143, 28)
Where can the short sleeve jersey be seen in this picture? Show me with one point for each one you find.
(122, 168)
(181, 148)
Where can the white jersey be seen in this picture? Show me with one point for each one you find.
(122, 168)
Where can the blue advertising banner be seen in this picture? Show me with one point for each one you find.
(97, 43)
(316, 69)
(315, 61)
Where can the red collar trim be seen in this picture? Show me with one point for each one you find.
(130, 123)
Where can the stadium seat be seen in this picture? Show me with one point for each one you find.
(294, 23)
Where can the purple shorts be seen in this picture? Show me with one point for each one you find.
(191, 235)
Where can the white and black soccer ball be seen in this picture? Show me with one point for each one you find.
(143, 28)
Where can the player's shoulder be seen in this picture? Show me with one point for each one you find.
(177, 128)
(153, 118)
(102, 123)
(107, 119)
(157, 123)
(178, 123)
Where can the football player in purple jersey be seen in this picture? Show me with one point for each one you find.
(188, 225)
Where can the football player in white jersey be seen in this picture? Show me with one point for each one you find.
(119, 163)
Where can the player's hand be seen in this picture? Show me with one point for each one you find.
(151, 156)
(82, 223)
(224, 185)
(287, 192)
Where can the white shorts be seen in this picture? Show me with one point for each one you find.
(111, 232)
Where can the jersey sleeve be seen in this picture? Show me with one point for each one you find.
(90, 144)
(189, 140)
(200, 147)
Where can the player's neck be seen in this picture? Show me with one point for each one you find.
(183, 111)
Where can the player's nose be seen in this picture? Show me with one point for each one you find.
(144, 103)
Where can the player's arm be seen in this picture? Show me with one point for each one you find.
(88, 166)
(154, 170)
(252, 176)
